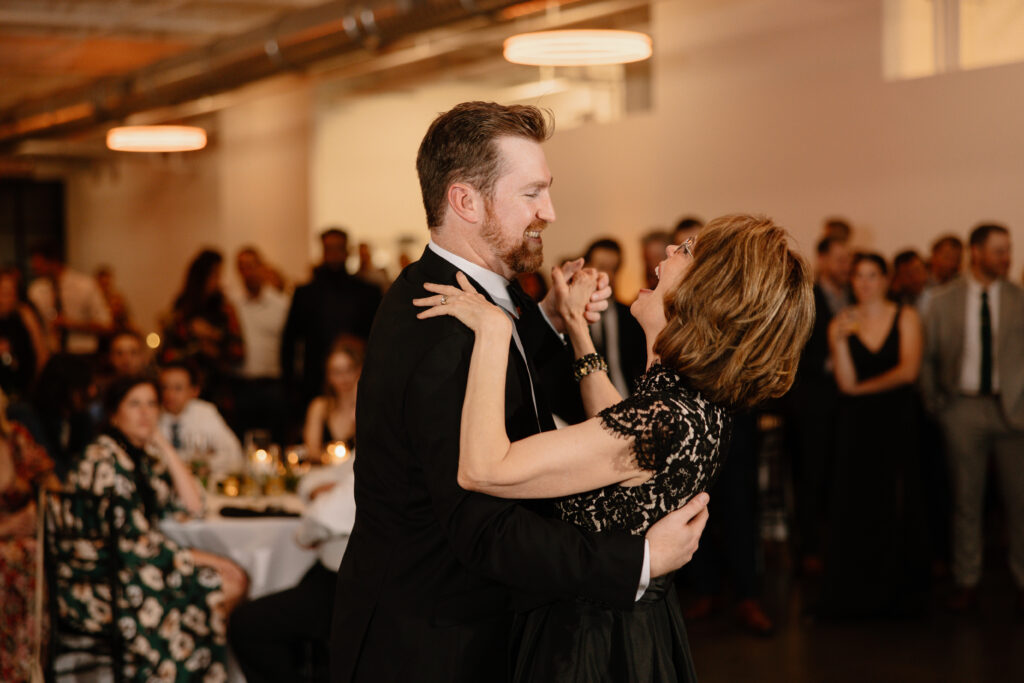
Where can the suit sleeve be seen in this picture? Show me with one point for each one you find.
(499, 538)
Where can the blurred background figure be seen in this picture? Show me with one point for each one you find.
(120, 316)
(332, 416)
(909, 278)
(73, 312)
(262, 310)
(875, 555)
(653, 248)
(333, 303)
(127, 354)
(686, 228)
(973, 381)
(24, 469)
(23, 350)
(370, 273)
(203, 327)
(66, 407)
(194, 427)
(947, 257)
(617, 335)
(812, 406)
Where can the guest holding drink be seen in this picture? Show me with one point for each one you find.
(874, 564)
(332, 417)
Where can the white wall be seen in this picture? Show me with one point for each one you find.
(147, 216)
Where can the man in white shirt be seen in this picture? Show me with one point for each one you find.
(71, 305)
(193, 426)
(262, 310)
(972, 377)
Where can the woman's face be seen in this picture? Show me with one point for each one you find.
(649, 307)
(213, 281)
(868, 282)
(137, 415)
(342, 373)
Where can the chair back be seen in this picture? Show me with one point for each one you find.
(81, 537)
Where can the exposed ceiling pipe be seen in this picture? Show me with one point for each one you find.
(293, 41)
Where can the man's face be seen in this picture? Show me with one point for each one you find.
(250, 270)
(836, 264)
(654, 251)
(912, 276)
(993, 257)
(605, 261)
(176, 390)
(946, 262)
(126, 356)
(519, 209)
(335, 251)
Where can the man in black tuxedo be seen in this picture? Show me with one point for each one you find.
(433, 574)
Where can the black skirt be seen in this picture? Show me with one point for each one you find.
(586, 642)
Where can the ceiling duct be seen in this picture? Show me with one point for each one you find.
(298, 39)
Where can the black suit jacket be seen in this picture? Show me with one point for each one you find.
(430, 572)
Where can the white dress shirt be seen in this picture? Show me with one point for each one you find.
(262, 319)
(496, 287)
(81, 301)
(970, 370)
(204, 433)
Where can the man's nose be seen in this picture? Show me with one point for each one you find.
(547, 211)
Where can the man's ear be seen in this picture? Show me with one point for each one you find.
(466, 201)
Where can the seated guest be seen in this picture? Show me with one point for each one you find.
(127, 355)
(194, 426)
(23, 349)
(266, 635)
(175, 601)
(24, 467)
(332, 417)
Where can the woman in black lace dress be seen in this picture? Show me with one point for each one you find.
(875, 559)
(724, 327)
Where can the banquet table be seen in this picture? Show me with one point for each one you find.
(264, 547)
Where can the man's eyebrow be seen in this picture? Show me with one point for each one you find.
(539, 184)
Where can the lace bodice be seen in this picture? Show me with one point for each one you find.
(677, 434)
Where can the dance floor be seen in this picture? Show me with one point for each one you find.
(986, 646)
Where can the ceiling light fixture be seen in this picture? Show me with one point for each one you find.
(578, 47)
(156, 138)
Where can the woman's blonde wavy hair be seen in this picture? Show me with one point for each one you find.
(740, 317)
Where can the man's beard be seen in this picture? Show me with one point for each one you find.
(520, 256)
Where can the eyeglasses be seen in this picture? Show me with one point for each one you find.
(686, 246)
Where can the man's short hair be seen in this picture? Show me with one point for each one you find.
(947, 241)
(838, 227)
(905, 257)
(195, 377)
(460, 147)
(334, 231)
(127, 333)
(688, 223)
(981, 233)
(603, 243)
(656, 236)
(826, 243)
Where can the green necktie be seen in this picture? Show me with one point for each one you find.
(986, 346)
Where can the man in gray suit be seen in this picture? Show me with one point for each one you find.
(973, 381)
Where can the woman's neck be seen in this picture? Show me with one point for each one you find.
(875, 306)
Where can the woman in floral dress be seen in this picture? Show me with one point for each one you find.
(24, 467)
(173, 601)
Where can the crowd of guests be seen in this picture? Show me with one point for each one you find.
(914, 373)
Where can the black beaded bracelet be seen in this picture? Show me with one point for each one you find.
(590, 363)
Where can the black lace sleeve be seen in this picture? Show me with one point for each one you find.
(657, 422)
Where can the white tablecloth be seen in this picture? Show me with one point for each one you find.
(263, 546)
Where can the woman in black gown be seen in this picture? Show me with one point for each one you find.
(724, 328)
(875, 561)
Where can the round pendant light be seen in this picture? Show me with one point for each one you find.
(156, 138)
(578, 47)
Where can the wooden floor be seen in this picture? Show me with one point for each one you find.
(986, 646)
